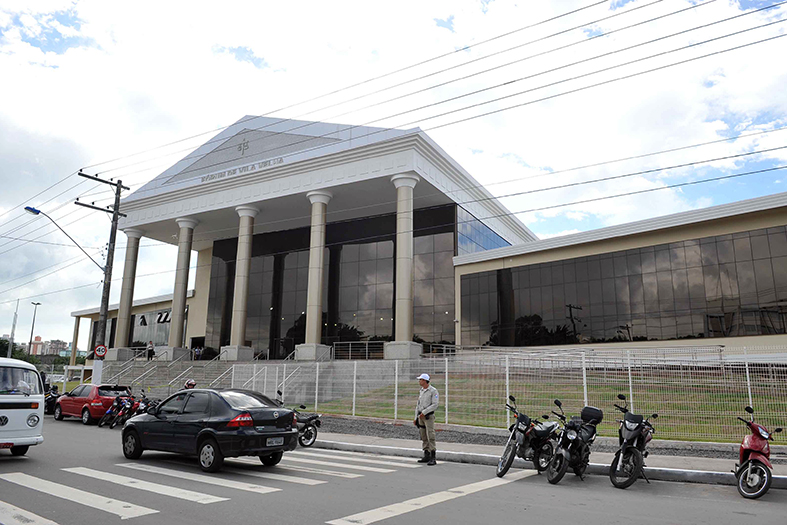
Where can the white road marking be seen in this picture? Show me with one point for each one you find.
(297, 468)
(288, 457)
(10, 515)
(370, 455)
(356, 459)
(277, 477)
(209, 480)
(96, 501)
(164, 490)
(397, 509)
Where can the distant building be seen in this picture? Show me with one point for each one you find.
(37, 346)
(57, 347)
(7, 337)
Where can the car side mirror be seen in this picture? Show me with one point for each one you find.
(558, 403)
(750, 410)
(512, 399)
(621, 397)
(654, 416)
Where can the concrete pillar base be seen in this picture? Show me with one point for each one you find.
(311, 352)
(119, 354)
(237, 353)
(402, 350)
(169, 353)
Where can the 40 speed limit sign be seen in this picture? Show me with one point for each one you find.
(101, 351)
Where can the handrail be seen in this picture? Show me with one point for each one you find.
(144, 374)
(169, 385)
(254, 376)
(214, 359)
(227, 371)
(290, 357)
(287, 378)
(176, 360)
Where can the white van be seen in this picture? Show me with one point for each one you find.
(21, 406)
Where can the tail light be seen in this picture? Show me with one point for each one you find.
(242, 420)
(294, 420)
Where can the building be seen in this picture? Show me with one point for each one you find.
(57, 347)
(38, 346)
(312, 234)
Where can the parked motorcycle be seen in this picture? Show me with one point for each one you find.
(307, 423)
(50, 399)
(111, 412)
(634, 434)
(573, 443)
(754, 470)
(126, 408)
(530, 439)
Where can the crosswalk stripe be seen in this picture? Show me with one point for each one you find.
(298, 468)
(277, 477)
(164, 490)
(397, 509)
(356, 459)
(209, 480)
(370, 455)
(10, 515)
(289, 457)
(119, 508)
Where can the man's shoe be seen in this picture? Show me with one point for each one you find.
(427, 457)
(432, 460)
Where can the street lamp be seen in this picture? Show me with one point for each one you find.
(32, 328)
(34, 211)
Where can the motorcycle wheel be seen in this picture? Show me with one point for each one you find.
(115, 421)
(308, 436)
(557, 468)
(754, 480)
(630, 470)
(543, 455)
(104, 420)
(507, 459)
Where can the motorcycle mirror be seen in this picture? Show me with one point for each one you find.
(303, 406)
(278, 392)
(558, 403)
(654, 416)
(512, 399)
(545, 416)
(750, 410)
(621, 397)
(778, 430)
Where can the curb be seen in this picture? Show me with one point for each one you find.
(660, 474)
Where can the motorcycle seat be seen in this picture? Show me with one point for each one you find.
(544, 429)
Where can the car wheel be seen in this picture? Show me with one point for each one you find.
(132, 448)
(58, 413)
(86, 419)
(210, 456)
(271, 459)
(21, 450)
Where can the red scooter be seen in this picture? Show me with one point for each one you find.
(754, 471)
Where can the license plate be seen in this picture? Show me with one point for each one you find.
(274, 442)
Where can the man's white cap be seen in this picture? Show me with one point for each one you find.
(425, 377)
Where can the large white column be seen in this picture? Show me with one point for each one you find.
(319, 200)
(185, 238)
(403, 346)
(127, 288)
(242, 274)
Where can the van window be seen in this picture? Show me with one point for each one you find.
(19, 381)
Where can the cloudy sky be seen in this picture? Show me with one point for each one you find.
(509, 89)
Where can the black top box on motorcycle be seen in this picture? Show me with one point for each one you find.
(592, 415)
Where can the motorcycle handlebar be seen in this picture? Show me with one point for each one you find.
(561, 416)
(621, 408)
(743, 420)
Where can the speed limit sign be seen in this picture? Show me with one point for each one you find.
(101, 351)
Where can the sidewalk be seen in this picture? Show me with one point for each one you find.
(662, 467)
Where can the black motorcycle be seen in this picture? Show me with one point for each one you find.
(111, 412)
(573, 444)
(126, 409)
(530, 439)
(50, 399)
(307, 423)
(634, 434)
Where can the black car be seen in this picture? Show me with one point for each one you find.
(213, 424)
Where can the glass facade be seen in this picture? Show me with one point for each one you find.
(473, 235)
(725, 286)
(359, 288)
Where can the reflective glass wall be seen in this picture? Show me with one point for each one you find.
(725, 286)
(473, 235)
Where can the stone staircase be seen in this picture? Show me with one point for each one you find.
(159, 379)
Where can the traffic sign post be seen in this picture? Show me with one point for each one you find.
(100, 351)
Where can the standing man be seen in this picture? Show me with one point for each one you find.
(428, 400)
(151, 350)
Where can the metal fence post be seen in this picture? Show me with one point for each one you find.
(396, 390)
(748, 380)
(585, 378)
(232, 377)
(355, 374)
(82, 375)
(283, 380)
(508, 393)
(316, 384)
(265, 379)
(631, 387)
(446, 390)
(254, 378)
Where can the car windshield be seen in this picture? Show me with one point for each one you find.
(19, 381)
(241, 400)
(114, 391)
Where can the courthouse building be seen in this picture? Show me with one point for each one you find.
(310, 234)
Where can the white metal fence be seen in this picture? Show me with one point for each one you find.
(697, 392)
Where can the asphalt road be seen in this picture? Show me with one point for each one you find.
(322, 486)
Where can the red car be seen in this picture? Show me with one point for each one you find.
(88, 402)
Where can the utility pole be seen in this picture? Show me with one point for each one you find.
(115, 210)
(30, 344)
(13, 329)
(574, 320)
